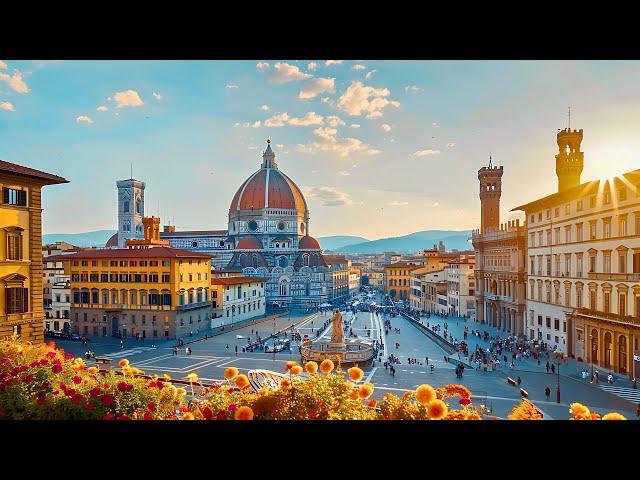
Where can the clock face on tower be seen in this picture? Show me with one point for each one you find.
(281, 225)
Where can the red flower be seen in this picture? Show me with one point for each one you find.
(122, 386)
(40, 400)
(77, 380)
(44, 362)
(33, 364)
(28, 379)
(51, 354)
(55, 392)
(124, 417)
(230, 390)
(151, 407)
(68, 356)
(76, 398)
(232, 407)
(147, 416)
(94, 392)
(207, 413)
(465, 401)
(90, 406)
(106, 386)
(109, 416)
(313, 413)
(222, 415)
(3, 411)
(106, 399)
(57, 368)
(44, 385)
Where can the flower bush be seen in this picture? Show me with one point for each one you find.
(42, 382)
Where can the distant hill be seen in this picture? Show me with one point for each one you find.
(413, 242)
(87, 239)
(335, 242)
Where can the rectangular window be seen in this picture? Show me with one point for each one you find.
(567, 234)
(166, 278)
(579, 206)
(592, 264)
(607, 227)
(592, 201)
(14, 246)
(622, 263)
(16, 300)
(622, 304)
(622, 226)
(578, 232)
(567, 209)
(557, 212)
(548, 322)
(579, 297)
(556, 324)
(607, 302)
(606, 268)
(13, 196)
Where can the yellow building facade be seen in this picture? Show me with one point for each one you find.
(147, 290)
(398, 280)
(21, 305)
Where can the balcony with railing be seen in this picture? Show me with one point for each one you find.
(596, 314)
(615, 277)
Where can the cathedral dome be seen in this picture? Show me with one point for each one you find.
(308, 243)
(250, 242)
(268, 188)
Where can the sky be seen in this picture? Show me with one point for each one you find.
(380, 148)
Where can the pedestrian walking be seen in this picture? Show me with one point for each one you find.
(121, 344)
(236, 350)
(519, 381)
(553, 368)
(547, 392)
(547, 367)
(186, 350)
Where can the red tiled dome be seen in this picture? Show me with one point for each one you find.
(308, 243)
(112, 242)
(268, 188)
(249, 242)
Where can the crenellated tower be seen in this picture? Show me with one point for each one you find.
(490, 191)
(569, 160)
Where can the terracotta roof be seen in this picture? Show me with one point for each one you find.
(332, 259)
(155, 252)
(268, 188)
(195, 233)
(308, 243)
(112, 242)
(250, 242)
(402, 265)
(236, 280)
(49, 178)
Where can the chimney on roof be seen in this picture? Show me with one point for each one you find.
(169, 229)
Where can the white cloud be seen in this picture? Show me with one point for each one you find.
(343, 173)
(262, 66)
(102, 108)
(359, 99)
(385, 127)
(278, 120)
(84, 118)
(311, 118)
(307, 150)
(2, 64)
(231, 86)
(435, 125)
(334, 121)
(316, 86)
(264, 108)
(127, 98)
(328, 141)
(284, 73)
(325, 99)
(426, 153)
(370, 74)
(358, 66)
(312, 66)
(329, 196)
(397, 203)
(157, 96)
(256, 124)
(412, 88)
(328, 63)
(451, 145)
(15, 81)
(355, 125)
(237, 124)
(8, 106)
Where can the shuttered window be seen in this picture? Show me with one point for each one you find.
(17, 300)
(11, 196)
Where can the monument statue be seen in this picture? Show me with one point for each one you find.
(337, 332)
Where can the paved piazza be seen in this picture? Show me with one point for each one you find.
(211, 356)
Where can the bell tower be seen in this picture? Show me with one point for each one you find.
(130, 210)
(569, 160)
(490, 191)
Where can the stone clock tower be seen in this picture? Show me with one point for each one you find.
(490, 191)
(130, 210)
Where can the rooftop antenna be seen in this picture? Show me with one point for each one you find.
(132, 170)
(490, 160)
(569, 117)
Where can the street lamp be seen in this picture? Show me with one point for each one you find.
(591, 354)
(559, 358)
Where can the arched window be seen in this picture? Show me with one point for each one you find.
(305, 260)
(622, 354)
(125, 206)
(607, 350)
(282, 262)
(255, 261)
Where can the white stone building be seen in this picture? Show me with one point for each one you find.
(237, 299)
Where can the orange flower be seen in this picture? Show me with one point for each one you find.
(354, 395)
(241, 381)
(243, 413)
(365, 391)
(123, 363)
(285, 383)
(579, 411)
(613, 416)
(311, 367)
(425, 394)
(356, 374)
(92, 370)
(188, 416)
(193, 377)
(296, 370)
(289, 365)
(437, 409)
(231, 373)
(373, 403)
(326, 366)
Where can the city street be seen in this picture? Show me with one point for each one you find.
(211, 356)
